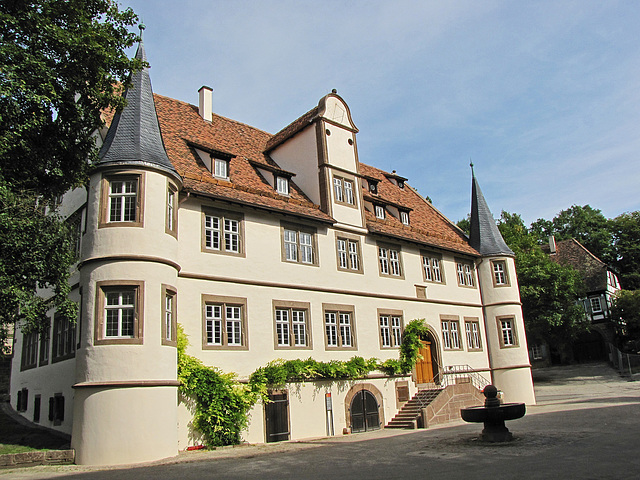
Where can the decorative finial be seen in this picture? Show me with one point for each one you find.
(471, 165)
(334, 91)
(141, 27)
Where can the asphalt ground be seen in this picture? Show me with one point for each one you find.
(586, 425)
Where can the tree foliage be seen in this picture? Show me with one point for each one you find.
(586, 224)
(625, 230)
(36, 253)
(625, 311)
(61, 61)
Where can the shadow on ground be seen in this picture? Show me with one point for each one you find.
(13, 432)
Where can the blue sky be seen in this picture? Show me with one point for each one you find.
(542, 96)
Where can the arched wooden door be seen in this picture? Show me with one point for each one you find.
(424, 365)
(364, 412)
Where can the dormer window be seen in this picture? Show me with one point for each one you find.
(400, 184)
(380, 212)
(404, 217)
(221, 168)
(373, 187)
(282, 185)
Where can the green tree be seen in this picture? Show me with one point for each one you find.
(548, 291)
(36, 253)
(62, 63)
(586, 224)
(625, 311)
(625, 230)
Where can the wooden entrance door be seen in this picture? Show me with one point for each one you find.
(277, 416)
(424, 366)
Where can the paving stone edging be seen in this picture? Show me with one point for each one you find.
(37, 457)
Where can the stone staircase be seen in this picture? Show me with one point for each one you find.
(410, 415)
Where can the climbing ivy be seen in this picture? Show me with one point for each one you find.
(222, 403)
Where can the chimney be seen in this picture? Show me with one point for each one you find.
(205, 104)
(552, 244)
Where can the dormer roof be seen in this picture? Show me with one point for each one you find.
(134, 138)
(485, 236)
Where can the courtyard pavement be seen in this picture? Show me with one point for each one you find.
(586, 425)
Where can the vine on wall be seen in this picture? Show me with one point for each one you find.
(222, 403)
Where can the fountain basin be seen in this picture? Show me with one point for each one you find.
(506, 411)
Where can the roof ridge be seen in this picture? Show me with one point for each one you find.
(585, 249)
(215, 114)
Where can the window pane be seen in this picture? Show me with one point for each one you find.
(384, 262)
(299, 328)
(426, 266)
(282, 327)
(342, 253)
(348, 192)
(331, 329)
(385, 332)
(291, 245)
(337, 189)
(353, 255)
(345, 329)
(435, 263)
(306, 248)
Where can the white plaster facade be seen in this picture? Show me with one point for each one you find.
(121, 397)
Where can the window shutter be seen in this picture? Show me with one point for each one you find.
(51, 408)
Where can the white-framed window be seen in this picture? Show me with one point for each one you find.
(291, 324)
(431, 268)
(123, 200)
(472, 329)
(224, 324)
(171, 218)
(466, 273)
(389, 261)
(404, 217)
(596, 305)
(222, 232)
(380, 212)
(348, 251)
(282, 185)
(507, 330)
(536, 352)
(298, 245)
(339, 327)
(343, 191)
(119, 308)
(500, 277)
(221, 168)
(390, 330)
(119, 319)
(169, 320)
(450, 334)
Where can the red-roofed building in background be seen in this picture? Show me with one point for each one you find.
(262, 247)
(601, 284)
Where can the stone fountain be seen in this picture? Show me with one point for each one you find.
(493, 415)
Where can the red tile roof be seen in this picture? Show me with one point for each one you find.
(572, 252)
(183, 129)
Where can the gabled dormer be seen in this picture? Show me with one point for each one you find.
(320, 147)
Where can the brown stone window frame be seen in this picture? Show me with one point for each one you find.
(348, 241)
(105, 188)
(431, 256)
(337, 309)
(171, 214)
(495, 273)
(387, 247)
(138, 327)
(343, 179)
(469, 322)
(394, 342)
(223, 302)
(299, 229)
(451, 324)
(468, 271)
(222, 215)
(169, 338)
(502, 332)
(291, 306)
(64, 339)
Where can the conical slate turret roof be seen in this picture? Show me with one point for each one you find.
(134, 136)
(485, 236)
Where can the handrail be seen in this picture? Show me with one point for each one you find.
(452, 375)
